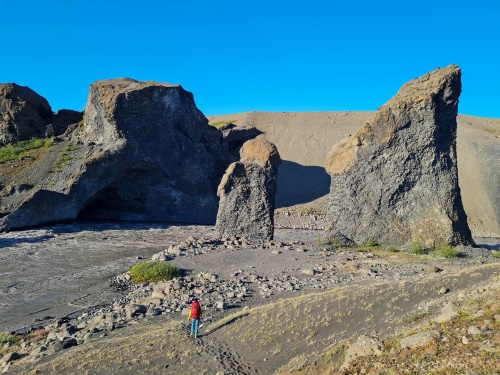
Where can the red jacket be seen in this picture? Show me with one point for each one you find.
(195, 312)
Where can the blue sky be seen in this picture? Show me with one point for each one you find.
(240, 56)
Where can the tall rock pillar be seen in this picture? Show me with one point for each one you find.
(396, 179)
(247, 192)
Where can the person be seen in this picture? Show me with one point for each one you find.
(195, 316)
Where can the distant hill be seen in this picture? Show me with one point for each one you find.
(305, 138)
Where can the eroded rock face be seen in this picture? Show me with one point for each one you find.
(144, 152)
(247, 193)
(396, 179)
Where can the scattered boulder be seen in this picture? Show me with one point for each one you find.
(134, 309)
(396, 179)
(364, 346)
(448, 313)
(247, 193)
(143, 152)
(419, 339)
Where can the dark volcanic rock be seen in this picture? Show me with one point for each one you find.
(396, 179)
(247, 193)
(235, 136)
(144, 152)
(23, 114)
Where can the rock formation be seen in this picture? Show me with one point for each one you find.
(396, 179)
(24, 115)
(247, 193)
(236, 136)
(144, 152)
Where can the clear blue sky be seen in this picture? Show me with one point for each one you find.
(267, 55)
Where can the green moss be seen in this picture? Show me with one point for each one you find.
(152, 271)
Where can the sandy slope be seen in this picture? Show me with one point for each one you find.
(304, 139)
(264, 338)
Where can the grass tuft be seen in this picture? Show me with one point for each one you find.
(392, 249)
(417, 249)
(371, 243)
(152, 271)
(444, 250)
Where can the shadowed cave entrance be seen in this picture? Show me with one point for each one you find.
(148, 193)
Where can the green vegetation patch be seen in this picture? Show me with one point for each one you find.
(19, 149)
(152, 271)
(219, 124)
(392, 249)
(417, 248)
(6, 338)
(65, 158)
(445, 251)
(414, 317)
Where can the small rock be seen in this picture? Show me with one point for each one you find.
(134, 309)
(443, 290)
(448, 313)
(308, 271)
(473, 331)
(364, 346)
(465, 340)
(486, 346)
(419, 339)
(221, 305)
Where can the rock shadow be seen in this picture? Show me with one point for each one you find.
(299, 184)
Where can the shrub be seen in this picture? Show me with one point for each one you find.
(446, 251)
(392, 249)
(333, 242)
(6, 338)
(495, 254)
(417, 248)
(152, 271)
(371, 243)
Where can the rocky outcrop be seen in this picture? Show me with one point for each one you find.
(247, 193)
(144, 152)
(236, 136)
(24, 115)
(396, 179)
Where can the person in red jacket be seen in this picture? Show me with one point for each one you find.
(195, 316)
